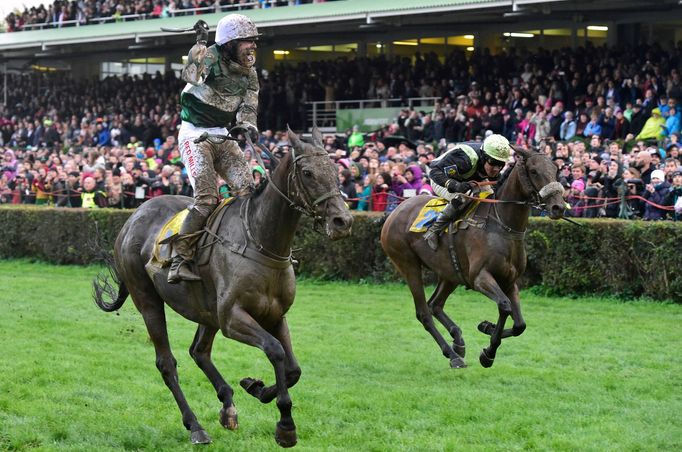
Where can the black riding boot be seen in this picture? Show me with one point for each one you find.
(444, 218)
(184, 247)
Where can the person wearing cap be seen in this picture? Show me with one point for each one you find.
(458, 171)
(221, 94)
(656, 193)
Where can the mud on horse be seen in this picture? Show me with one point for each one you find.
(247, 286)
(488, 255)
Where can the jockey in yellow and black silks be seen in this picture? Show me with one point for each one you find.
(459, 170)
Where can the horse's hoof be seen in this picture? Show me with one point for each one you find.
(485, 360)
(285, 437)
(228, 418)
(457, 363)
(486, 327)
(200, 437)
(459, 349)
(252, 386)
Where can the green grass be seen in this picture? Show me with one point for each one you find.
(588, 374)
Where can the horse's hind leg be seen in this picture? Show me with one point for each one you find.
(200, 351)
(244, 328)
(486, 284)
(293, 371)
(436, 304)
(152, 309)
(413, 275)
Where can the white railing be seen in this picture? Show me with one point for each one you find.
(131, 17)
(323, 113)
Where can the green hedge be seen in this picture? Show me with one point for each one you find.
(627, 259)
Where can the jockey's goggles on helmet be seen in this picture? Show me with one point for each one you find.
(495, 163)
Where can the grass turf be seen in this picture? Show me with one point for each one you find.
(588, 374)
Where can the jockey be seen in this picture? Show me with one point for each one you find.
(458, 171)
(221, 94)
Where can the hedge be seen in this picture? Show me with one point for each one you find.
(626, 259)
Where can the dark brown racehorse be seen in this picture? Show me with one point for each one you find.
(490, 253)
(248, 285)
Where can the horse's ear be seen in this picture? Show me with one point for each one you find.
(294, 139)
(274, 161)
(317, 137)
(525, 153)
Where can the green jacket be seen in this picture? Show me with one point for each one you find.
(219, 93)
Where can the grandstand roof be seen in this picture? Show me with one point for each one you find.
(331, 20)
(265, 18)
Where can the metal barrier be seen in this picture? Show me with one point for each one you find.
(323, 113)
(131, 17)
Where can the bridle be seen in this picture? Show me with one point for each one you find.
(307, 205)
(538, 195)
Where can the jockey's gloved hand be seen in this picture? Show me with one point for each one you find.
(453, 186)
(473, 186)
(243, 129)
(201, 29)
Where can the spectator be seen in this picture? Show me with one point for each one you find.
(347, 187)
(675, 195)
(656, 193)
(593, 127)
(567, 128)
(653, 127)
(90, 196)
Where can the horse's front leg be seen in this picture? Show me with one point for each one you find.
(519, 327)
(293, 371)
(486, 284)
(239, 325)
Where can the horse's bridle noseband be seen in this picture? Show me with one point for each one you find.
(538, 195)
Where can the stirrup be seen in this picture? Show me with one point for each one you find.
(431, 238)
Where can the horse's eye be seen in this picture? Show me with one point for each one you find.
(307, 173)
(534, 172)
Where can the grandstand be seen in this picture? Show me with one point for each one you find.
(457, 65)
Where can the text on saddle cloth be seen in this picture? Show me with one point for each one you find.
(428, 214)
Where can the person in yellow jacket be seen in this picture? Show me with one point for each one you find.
(653, 127)
(91, 197)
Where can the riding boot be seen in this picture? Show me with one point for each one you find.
(444, 218)
(184, 247)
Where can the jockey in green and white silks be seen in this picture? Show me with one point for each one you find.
(221, 95)
(459, 170)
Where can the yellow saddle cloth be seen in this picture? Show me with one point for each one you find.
(163, 245)
(431, 209)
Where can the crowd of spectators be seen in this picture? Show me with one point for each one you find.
(607, 116)
(65, 13)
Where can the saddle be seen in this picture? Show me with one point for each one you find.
(163, 246)
(428, 214)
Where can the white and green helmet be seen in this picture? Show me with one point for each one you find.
(497, 148)
(233, 27)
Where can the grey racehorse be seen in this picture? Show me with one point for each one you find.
(248, 284)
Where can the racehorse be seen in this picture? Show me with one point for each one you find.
(248, 285)
(486, 254)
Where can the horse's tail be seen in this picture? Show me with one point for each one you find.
(103, 286)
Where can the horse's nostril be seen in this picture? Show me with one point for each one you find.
(339, 222)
